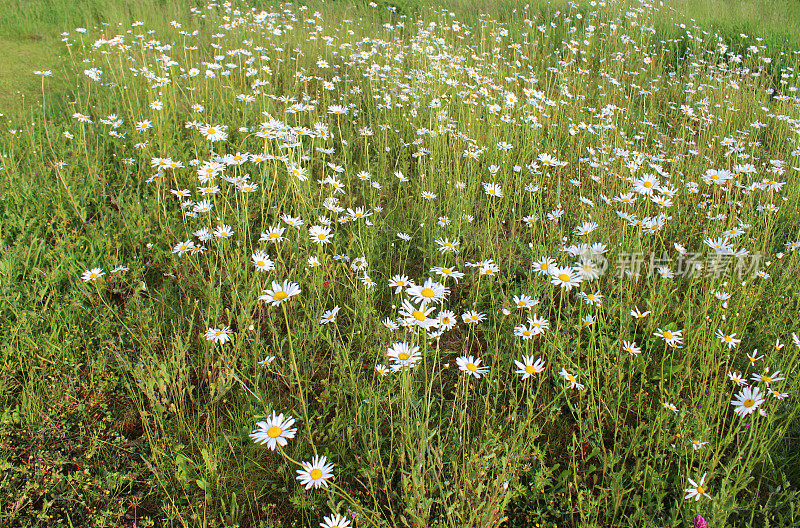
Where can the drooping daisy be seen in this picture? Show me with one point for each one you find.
(488, 267)
(275, 431)
(447, 272)
(573, 380)
(335, 521)
(524, 301)
(280, 292)
(528, 366)
(539, 323)
(315, 473)
(92, 274)
(472, 317)
(726, 339)
(273, 234)
(414, 316)
(266, 361)
(218, 335)
(223, 231)
(737, 378)
(182, 247)
(367, 281)
(631, 348)
(592, 299)
(214, 133)
(447, 246)
(697, 490)
(526, 332)
(747, 400)
(754, 357)
(403, 355)
(493, 189)
(329, 316)
(471, 366)
(778, 394)
(398, 282)
(767, 378)
(671, 337)
(292, 221)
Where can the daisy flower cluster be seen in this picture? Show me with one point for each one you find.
(444, 226)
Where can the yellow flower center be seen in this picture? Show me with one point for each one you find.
(526, 333)
(418, 315)
(447, 271)
(766, 379)
(427, 292)
(261, 263)
(529, 369)
(563, 277)
(321, 236)
(274, 235)
(472, 367)
(667, 335)
(403, 356)
(571, 378)
(279, 296)
(315, 473)
(274, 431)
(749, 402)
(648, 184)
(212, 130)
(701, 490)
(520, 303)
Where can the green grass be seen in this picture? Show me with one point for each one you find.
(116, 410)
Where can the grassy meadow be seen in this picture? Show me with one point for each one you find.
(399, 264)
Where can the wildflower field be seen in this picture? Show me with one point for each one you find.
(400, 264)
